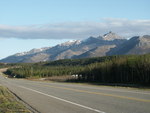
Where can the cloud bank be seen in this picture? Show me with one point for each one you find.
(77, 30)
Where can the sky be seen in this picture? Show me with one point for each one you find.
(28, 24)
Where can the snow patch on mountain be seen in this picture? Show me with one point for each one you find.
(33, 51)
(70, 43)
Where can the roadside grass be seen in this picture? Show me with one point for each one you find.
(60, 78)
(74, 80)
(8, 104)
(63, 78)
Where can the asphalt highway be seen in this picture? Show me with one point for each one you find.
(49, 97)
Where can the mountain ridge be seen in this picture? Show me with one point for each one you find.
(135, 45)
(108, 44)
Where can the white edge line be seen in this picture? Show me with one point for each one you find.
(98, 111)
(108, 89)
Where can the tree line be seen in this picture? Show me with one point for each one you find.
(128, 69)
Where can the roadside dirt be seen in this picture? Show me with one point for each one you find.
(3, 69)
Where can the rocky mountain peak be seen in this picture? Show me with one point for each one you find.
(111, 36)
(144, 40)
(141, 40)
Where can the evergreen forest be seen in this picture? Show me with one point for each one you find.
(124, 69)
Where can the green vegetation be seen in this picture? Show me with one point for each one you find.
(79, 62)
(8, 104)
(5, 65)
(42, 71)
(127, 69)
(122, 69)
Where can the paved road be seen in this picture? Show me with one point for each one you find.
(74, 98)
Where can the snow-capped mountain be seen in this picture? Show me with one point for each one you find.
(70, 43)
(108, 44)
(33, 51)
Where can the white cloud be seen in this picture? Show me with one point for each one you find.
(77, 30)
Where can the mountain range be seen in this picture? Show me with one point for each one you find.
(106, 45)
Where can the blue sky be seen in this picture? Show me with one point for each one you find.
(28, 24)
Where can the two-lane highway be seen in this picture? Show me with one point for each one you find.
(74, 98)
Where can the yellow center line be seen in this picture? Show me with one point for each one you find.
(97, 93)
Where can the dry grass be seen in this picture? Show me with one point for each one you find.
(8, 104)
(3, 69)
(60, 78)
